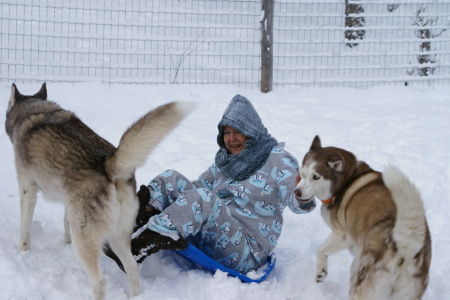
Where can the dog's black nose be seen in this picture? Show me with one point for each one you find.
(297, 193)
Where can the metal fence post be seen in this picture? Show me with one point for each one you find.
(267, 46)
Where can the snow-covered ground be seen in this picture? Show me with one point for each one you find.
(409, 127)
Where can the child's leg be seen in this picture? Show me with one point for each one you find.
(167, 187)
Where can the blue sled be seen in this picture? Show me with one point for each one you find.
(196, 256)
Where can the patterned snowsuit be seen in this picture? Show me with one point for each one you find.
(237, 223)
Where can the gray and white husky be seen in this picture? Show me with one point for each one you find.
(57, 154)
(379, 217)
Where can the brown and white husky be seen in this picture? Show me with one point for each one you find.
(379, 217)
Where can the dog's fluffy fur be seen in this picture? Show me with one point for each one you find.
(379, 217)
(57, 154)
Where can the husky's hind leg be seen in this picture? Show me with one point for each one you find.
(121, 245)
(87, 246)
(67, 236)
(28, 194)
(119, 238)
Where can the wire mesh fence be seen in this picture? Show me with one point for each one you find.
(218, 42)
(403, 43)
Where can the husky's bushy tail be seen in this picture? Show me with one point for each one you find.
(410, 234)
(143, 136)
(411, 226)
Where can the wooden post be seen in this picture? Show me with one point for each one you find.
(266, 45)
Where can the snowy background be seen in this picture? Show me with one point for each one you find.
(218, 42)
(409, 127)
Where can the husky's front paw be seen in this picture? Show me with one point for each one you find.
(24, 244)
(321, 275)
(322, 267)
(67, 238)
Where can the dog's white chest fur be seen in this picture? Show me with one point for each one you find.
(325, 213)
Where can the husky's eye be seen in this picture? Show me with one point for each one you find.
(315, 177)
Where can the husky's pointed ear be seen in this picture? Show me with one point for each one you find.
(14, 95)
(336, 165)
(14, 91)
(315, 144)
(42, 94)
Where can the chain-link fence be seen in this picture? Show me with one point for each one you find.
(315, 43)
